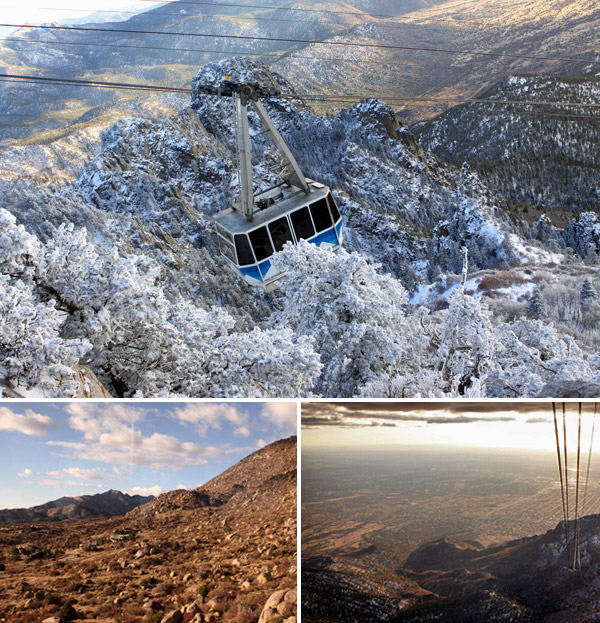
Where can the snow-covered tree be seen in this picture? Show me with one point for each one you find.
(32, 351)
(588, 296)
(536, 306)
(354, 314)
(18, 249)
(531, 353)
(71, 297)
(197, 353)
(466, 350)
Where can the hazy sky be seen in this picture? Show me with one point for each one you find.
(48, 450)
(490, 424)
(43, 11)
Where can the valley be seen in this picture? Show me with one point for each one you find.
(393, 534)
(399, 499)
(390, 68)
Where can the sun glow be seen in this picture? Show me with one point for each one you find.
(486, 425)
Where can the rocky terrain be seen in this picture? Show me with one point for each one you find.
(224, 552)
(108, 504)
(527, 580)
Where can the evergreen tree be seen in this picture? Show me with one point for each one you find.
(536, 306)
(588, 296)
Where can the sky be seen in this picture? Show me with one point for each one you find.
(49, 450)
(519, 425)
(44, 11)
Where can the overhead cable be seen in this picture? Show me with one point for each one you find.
(305, 41)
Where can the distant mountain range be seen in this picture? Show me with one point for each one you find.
(527, 580)
(108, 504)
(260, 479)
(390, 68)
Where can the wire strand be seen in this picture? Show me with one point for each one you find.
(560, 472)
(306, 41)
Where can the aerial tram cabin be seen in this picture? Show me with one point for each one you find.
(257, 226)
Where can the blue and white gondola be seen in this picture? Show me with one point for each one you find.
(249, 245)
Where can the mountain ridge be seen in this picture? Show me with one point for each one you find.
(523, 580)
(109, 503)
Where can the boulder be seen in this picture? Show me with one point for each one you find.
(280, 607)
(175, 616)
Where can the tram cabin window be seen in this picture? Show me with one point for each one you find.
(227, 249)
(320, 215)
(223, 232)
(261, 244)
(302, 224)
(244, 252)
(334, 211)
(280, 232)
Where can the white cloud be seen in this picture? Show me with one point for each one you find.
(284, 415)
(243, 431)
(29, 424)
(84, 474)
(206, 415)
(93, 419)
(111, 437)
(155, 490)
(27, 473)
(64, 479)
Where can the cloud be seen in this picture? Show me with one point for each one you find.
(27, 473)
(92, 419)
(206, 415)
(362, 414)
(29, 424)
(112, 437)
(64, 479)
(155, 490)
(84, 474)
(282, 415)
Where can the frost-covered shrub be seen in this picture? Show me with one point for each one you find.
(354, 314)
(71, 297)
(31, 349)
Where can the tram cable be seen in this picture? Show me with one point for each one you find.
(562, 486)
(587, 475)
(306, 41)
(576, 548)
(308, 97)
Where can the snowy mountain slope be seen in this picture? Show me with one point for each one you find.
(141, 296)
(543, 158)
(59, 155)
